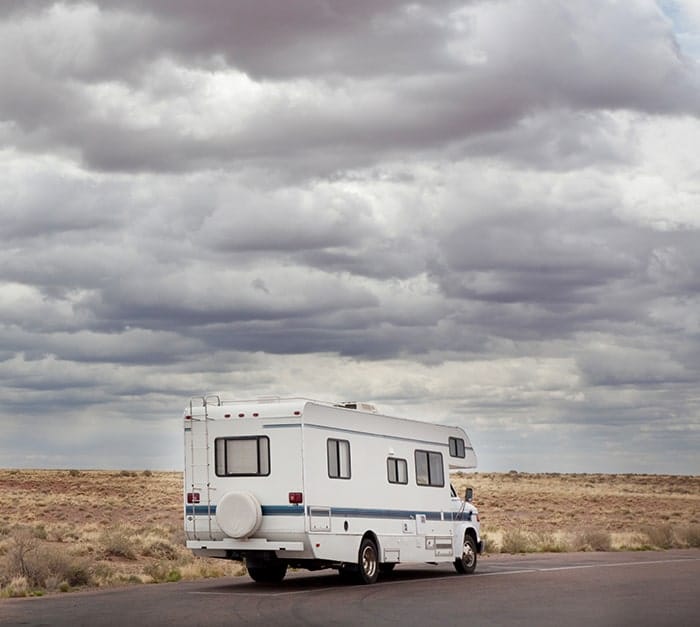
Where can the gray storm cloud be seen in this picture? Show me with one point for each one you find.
(476, 212)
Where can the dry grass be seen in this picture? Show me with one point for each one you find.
(523, 512)
(68, 529)
(62, 530)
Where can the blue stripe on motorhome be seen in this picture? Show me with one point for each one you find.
(267, 510)
(200, 510)
(282, 510)
(402, 514)
(340, 512)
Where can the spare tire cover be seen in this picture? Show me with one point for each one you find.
(239, 514)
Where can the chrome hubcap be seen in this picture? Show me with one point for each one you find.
(468, 554)
(369, 561)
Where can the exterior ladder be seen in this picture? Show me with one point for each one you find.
(195, 453)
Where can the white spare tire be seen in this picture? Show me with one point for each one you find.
(239, 514)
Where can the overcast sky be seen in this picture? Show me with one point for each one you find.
(480, 213)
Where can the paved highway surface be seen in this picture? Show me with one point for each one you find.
(591, 589)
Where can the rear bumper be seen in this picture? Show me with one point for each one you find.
(251, 544)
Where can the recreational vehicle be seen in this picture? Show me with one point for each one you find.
(307, 484)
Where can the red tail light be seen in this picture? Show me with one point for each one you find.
(296, 498)
(193, 497)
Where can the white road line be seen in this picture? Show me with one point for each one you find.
(581, 566)
(507, 572)
(263, 594)
(612, 564)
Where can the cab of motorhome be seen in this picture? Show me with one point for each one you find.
(300, 483)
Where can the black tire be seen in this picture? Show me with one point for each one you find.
(368, 562)
(466, 563)
(386, 567)
(348, 573)
(268, 572)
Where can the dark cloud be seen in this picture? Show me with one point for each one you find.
(268, 39)
(342, 86)
(476, 212)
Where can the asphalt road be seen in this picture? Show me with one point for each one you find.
(591, 589)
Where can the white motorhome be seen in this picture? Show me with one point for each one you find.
(309, 484)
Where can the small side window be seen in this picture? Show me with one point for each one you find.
(338, 459)
(457, 447)
(397, 470)
(429, 469)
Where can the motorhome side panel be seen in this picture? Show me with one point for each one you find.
(412, 522)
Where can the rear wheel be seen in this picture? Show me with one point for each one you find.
(348, 573)
(267, 572)
(368, 561)
(466, 563)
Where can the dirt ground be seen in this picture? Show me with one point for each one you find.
(566, 502)
(67, 529)
(532, 502)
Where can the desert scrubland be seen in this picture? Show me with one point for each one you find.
(63, 530)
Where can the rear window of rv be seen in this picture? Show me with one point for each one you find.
(338, 459)
(242, 457)
(457, 447)
(397, 470)
(429, 469)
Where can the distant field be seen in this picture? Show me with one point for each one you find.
(523, 512)
(61, 530)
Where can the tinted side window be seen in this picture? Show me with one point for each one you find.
(338, 459)
(457, 447)
(429, 468)
(397, 470)
(246, 456)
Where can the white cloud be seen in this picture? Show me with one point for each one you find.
(476, 212)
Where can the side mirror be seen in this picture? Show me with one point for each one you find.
(468, 494)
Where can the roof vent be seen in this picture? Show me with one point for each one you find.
(368, 407)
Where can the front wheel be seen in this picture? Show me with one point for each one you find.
(368, 561)
(466, 563)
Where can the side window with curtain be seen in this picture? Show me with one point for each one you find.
(457, 448)
(242, 457)
(429, 469)
(397, 470)
(338, 459)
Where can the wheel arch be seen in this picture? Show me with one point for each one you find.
(459, 534)
(372, 536)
